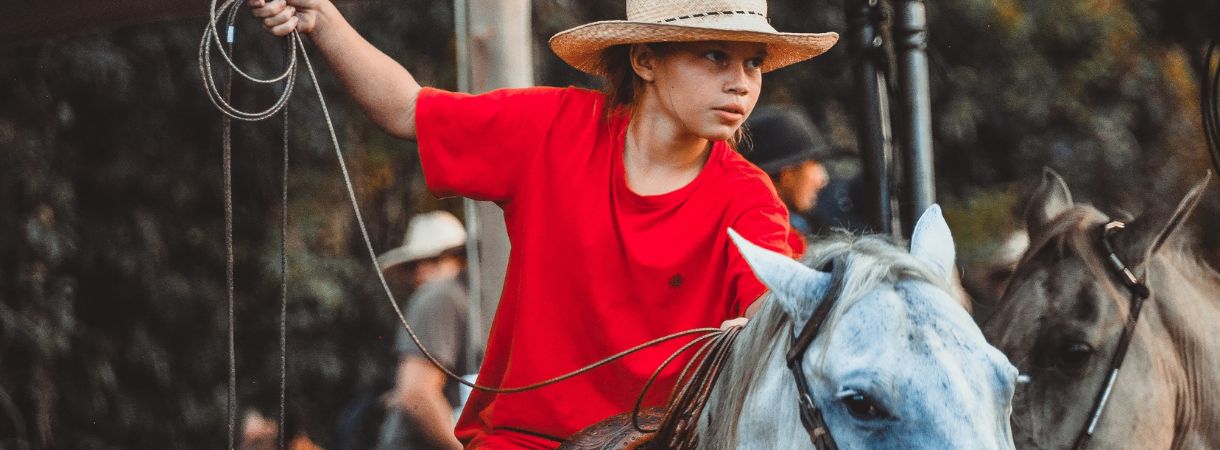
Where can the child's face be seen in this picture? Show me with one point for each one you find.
(709, 88)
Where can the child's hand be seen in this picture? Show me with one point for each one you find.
(281, 17)
(738, 322)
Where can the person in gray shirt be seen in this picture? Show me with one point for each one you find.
(420, 408)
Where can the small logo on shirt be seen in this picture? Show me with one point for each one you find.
(675, 281)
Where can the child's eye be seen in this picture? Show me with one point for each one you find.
(715, 56)
(755, 63)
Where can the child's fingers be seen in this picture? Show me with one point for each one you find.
(281, 18)
(285, 28)
(738, 322)
(306, 4)
(267, 10)
(305, 22)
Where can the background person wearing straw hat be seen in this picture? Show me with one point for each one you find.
(616, 202)
(420, 407)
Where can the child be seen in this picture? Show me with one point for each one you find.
(616, 203)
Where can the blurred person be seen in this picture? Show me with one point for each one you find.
(784, 143)
(259, 432)
(985, 279)
(616, 203)
(420, 408)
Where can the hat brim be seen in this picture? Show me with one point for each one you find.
(582, 46)
(819, 154)
(400, 255)
(403, 255)
(773, 167)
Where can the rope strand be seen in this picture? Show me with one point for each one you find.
(289, 76)
(284, 286)
(227, 163)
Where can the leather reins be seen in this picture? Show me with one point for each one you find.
(1139, 293)
(687, 402)
(811, 416)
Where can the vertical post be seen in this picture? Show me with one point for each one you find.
(912, 44)
(494, 51)
(474, 312)
(873, 124)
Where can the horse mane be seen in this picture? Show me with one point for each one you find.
(1074, 230)
(858, 265)
(1178, 256)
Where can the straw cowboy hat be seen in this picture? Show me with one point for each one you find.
(688, 21)
(428, 236)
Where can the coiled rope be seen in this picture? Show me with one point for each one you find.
(221, 99)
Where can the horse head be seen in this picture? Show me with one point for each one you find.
(898, 364)
(1063, 315)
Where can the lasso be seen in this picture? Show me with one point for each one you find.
(221, 99)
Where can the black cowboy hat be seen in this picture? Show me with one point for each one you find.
(780, 136)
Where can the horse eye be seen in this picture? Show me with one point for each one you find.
(861, 407)
(1074, 355)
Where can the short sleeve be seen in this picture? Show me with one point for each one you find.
(766, 227)
(480, 146)
(438, 319)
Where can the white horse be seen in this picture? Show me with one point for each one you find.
(898, 364)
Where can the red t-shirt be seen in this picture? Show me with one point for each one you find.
(594, 267)
(797, 242)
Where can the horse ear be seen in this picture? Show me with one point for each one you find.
(932, 243)
(1048, 201)
(796, 287)
(1147, 234)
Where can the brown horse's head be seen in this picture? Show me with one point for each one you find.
(1061, 318)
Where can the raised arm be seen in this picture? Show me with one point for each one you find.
(384, 89)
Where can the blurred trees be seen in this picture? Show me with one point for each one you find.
(113, 319)
(112, 294)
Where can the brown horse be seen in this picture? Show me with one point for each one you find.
(1066, 310)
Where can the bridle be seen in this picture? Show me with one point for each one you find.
(1139, 292)
(676, 430)
(811, 416)
(819, 433)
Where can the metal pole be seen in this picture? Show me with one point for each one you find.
(911, 37)
(873, 124)
(474, 313)
(498, 47)
(461, 21)
(473, 283)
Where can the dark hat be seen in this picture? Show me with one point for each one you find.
(780, 136)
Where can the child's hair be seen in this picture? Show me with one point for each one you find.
(623, 85)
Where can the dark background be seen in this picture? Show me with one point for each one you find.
(112, 292)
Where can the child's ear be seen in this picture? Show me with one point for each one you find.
(643, 59)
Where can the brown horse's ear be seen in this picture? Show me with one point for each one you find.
(1048, 201)
(1147, 234)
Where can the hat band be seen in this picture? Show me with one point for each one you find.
(714, 13)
